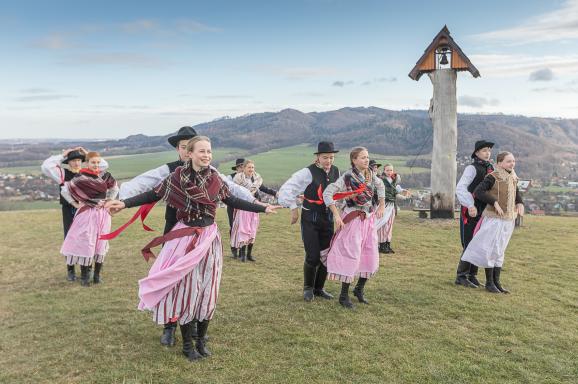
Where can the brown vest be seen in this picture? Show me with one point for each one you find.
(504, 191)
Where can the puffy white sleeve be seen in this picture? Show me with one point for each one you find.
(236, 190)
(143, 182)
(379, 186)
(66, 194)
(295, 186)
(332, 189)
(103, 166)
(52, 168)
(464, 196)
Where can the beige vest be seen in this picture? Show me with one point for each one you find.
(504, 191)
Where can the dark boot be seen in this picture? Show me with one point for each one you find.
(358, 290)
(200, 339)
(497, 271)
(320, 278)
(85, 275)
(309, 273)
(96, 277)
(472, 275)
(168, 337)
(490, 286)
(388, 247)
(242, 254)
(187, 335)
(344, 296)
(381, 248)
(71, 273)
(462, 275)
(234, 252)
(249, 251)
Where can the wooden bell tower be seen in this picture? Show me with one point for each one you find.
(442, 59)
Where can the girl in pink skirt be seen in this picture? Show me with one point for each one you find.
(246, 224)
(87, 192)
(183, 283)
(353, 251)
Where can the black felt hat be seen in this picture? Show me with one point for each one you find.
(481, 144)
(73, 155)
(325, 147)
(237, 163)
(185, 133)
(373, 162)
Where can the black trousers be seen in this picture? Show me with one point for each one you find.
(466, 235)
(68, 212)
(169, 224)
(316, 232)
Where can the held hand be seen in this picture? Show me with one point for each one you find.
(380, 212)
(75, 204)
(520, 209)
(499, 210)
(338, 223)
(82, 150)
(406, 193)
(472, 211)
(272, 209)
(294, 216)
(114, 205)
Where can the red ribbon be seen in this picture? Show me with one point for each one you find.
(88, 171)
(142, 212)
(337, 196)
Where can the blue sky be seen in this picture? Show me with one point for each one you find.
(111, 69)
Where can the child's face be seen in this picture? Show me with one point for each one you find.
(388, 171)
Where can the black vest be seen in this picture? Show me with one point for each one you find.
(68, 175)
(170, 212)
(320, 178)
(480, 176)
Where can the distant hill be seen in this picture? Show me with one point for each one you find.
(544, 146)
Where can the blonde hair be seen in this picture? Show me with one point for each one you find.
(191, 143)
(247, 162)
(502, 155)
(355, 151)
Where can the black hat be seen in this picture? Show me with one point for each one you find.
(373, 162)
(481, 144)
(325, 147)
(185, 133)
(73, 155)
(237, 163)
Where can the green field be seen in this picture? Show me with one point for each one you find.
(418, 328)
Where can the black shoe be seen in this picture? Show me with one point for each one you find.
(242, 254)
(462, 280)
(96, 277)
(490, 286)
(234, 253)
(200, 339)
(344, 296)
(188, 350)
(472, 279)
(71, 274)
(497, 271)
(249, 251)
(85, 275)
(168, 337)
(323, 294)
(309, 273)
(388, 247)
(382, 248)
(320, 277)
(358, 290)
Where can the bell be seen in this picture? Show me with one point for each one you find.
(444, 60)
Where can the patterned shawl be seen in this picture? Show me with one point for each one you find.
(89, 188)
(252, 183)
(486, 164)
(354, 180)
(193, 194)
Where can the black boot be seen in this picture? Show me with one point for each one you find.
(497, 271)
(472, 275)
(85, 275)
(71, 273)
(382, 248)
(388, 247)
(96, 277)
(188, 350)
(358, 290)
(249, 251)
(490, 286)
(309, 273)
(242, 254)
(320, 278)
(344, 296)
(200, 339)
(168, 337)
(234, 252)
(462, 275)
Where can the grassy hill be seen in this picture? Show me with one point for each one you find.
(418, 328)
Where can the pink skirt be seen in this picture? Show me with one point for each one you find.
(244, 230)
(82, 243)
(184, 286)
(353, 251)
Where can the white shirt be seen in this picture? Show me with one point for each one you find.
(150, 179)
(465, 198)
(295, 186)
(52, 167)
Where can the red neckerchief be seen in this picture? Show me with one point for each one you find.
(87, 171)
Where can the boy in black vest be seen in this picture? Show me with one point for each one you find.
(472, 208)
(316, 219)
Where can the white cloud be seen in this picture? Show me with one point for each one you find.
(300, 73)
(128, 59)
(544, 74)
(522, 64)
(477, 102)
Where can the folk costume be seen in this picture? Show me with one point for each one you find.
(353, 251)
(316, 219)
(183, 283)
(384, 226)
(82, 244)
(473, 175)
(52, 167)
(493, 232)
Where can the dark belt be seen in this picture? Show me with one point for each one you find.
(174, 234)
(353, 215)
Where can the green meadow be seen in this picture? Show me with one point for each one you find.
(418, 328)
